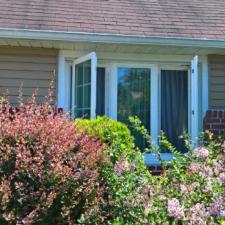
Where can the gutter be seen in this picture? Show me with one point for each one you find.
(108, 38)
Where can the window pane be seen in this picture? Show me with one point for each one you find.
(79, 113)
(86, 113)
(87, 96)
(134, 97)
(79, 74)
(79, 97)
(87, 72)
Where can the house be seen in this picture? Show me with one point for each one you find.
(161, 60)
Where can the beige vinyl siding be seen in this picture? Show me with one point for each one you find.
(217, 81)
(31, 67)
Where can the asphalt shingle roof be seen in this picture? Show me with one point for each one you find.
(202, 19)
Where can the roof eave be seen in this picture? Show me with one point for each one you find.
(108, 38)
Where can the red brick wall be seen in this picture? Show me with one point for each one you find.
(215, 121)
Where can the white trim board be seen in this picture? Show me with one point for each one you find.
(205, 86)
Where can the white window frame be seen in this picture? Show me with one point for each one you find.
(205, 86)
(93, 58)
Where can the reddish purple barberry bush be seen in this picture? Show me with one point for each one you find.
(48, 170)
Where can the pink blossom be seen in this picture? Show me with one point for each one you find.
(201, 152)
(218, 167)
(174, 209)
(194, 186)
(206, 171)
(218, 207)
(121, 167)
(221, 178)
(184, 188)
(197, 214)
(162, 197)
(195, 167)
(208, 187)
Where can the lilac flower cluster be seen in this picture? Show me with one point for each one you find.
(202, 152)
(174, 209)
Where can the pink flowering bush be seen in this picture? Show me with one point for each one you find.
(48, 171)
(192, 190)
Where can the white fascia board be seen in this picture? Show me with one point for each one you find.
(107, 38)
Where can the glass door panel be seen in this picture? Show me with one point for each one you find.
(134, 97)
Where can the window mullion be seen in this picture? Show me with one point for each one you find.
(93, 85)
(83, 89)
(155, 103)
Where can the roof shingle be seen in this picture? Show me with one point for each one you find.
(201, 19)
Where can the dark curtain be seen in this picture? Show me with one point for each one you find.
(174, 105)
(100, 89)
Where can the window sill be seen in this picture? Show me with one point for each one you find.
(151, 160)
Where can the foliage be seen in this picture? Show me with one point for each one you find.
(124, 177)
(115, 134)
(192, 190)
(53, 171)
(137, 126)
(48, 170)
(124, 199)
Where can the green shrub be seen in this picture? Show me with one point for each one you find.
(115, 134)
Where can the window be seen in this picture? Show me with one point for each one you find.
(83, 90)
(84, 86)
